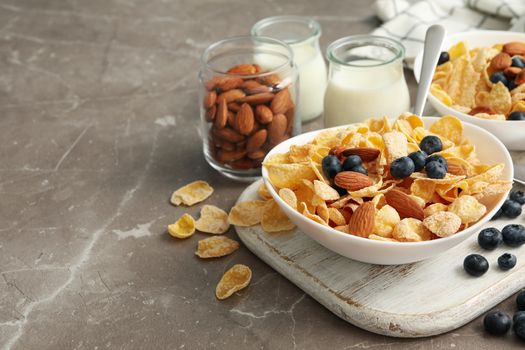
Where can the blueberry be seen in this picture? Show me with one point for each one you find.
(517, 62)
(490, 238)
(360, 169)
(402, 168)
(435, 170)
(520, 301)
(340, 190)
(507, 261)
(519, 329)
(352, 162)
(431, 144)
(443, 58)
(499, 76)
(437, 158)
(517, 116)
(518, 316)
(512, 84)
(518, 196)
(331, 166)
(418, 158)
(498, 214)
(475, 265)
(497, 322)
(513, 235)
(511, 209)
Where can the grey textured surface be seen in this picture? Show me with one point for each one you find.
(98, 122)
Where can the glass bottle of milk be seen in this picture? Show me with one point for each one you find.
(302, 34)
(366, 80)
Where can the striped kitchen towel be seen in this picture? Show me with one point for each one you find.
(407, 21)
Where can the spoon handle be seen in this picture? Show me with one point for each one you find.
(433, 40)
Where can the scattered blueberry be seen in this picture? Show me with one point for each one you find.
(439, 159)
(435, 170)
(497, 322)
(507, 261)
(499, 76)
(443, 58)
(520, 301)
(511, 209)
(514, 235)
(498, 214)
(351, 162)
(475, 265)
(518, 196)
(490, 238)
(519, 329)
(431, 144)
(517, 61)
(331, 166)
(517, 116)
(418, 158)
(360, 169)
(518, 316)
(402, 167)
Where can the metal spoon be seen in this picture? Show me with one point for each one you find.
(433, 40)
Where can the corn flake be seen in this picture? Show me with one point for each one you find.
(191, 193)
(468, 209)
(235, 279)
(184, 227)
(274, 219)
(216, 247)
(213, 220)
(247, 213)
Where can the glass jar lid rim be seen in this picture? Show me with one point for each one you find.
(288, 18)
(365, 40)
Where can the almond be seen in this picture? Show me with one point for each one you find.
(352, 181)
(511, 72)
(481, 109)
(231, 95)
(221, 117)
(406, 206)
(281, 102)
(520, 78)
(234, 106)
(290, 115)
(256, 140)
(224, 83)
(228, 134)
(337, 151)
(209, 99)
(252, 87)
(243, 69)
(225, 145)
(367, 154)
(257, 99)
(259, 154)
(500, 61)
(230, 156)
(514, 48)
(245, 120)
(263, 114)
(347, 212)
(362, 221)
(231, 119)
(277, 129)
(269, 80)
(245, 164)
(210, 113)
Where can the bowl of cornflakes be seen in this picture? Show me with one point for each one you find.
(480, 78)
(390, 191)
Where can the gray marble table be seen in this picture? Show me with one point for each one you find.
(98, 124)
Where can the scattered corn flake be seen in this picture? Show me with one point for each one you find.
(411, 230)
(443, 223)
(263, 192)
(233, 280)
(215, 247)
(468, 208)
(247, 213)
(212, 220)
(289, 197)
(385, 221)
(274, 219)
(191, 193)
(184, 227)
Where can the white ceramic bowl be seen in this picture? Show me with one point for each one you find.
(489, 149)
(510, 132)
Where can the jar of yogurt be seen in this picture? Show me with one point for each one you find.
(365, 80)
(302, 34)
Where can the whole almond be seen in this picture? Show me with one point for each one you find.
(259, 154)
(500, 61)
(234, 106)
(520, 78)
(230, 156)
(231, 95)
(209, 99)
(481, 109)
(257, 99)
(263, 114)
(281, 102)
(245, 119)
(252, 87)
(406, 206)
(231, 119)
(277, 129)
(210, 113)
(243, 69)
(223, 83)
(511, 72)
(221, 117)
(337, 151)
(514, 48)
(352, 181)
(256, 140)
(225, 145)
(269, 80)
(245, 164)
(362, 221)
(290, 115)
(367, 154)
(227, 134)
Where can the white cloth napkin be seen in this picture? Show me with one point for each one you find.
(407, 21)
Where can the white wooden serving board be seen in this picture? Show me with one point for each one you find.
(413, 300)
